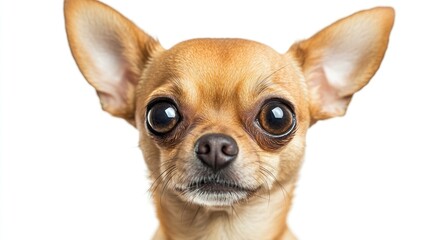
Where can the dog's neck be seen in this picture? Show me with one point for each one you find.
(262, 217)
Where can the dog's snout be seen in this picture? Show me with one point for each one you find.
(216, 150)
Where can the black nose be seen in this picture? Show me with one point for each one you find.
(216, 150)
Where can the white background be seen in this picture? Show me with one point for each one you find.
(70, 171)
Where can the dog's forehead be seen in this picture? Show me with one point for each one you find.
(217, 57)
(220, 68)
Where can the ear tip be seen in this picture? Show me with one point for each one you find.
(386, 11)
(68, 3)
(388, 14)
(384, 15)
(70, 6)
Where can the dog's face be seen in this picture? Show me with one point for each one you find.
(222, 120)
(226, 119)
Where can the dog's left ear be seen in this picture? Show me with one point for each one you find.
(110, 51)
(339, 60)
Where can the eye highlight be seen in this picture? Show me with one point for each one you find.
(276, 119)
(162, 117)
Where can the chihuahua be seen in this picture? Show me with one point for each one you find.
(222, 122)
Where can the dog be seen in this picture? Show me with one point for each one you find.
(222, 122)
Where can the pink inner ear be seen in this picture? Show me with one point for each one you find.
(114, 98)
(109, 71)
(333, 79)
(338, 68)
(325, 95)
(105, 52)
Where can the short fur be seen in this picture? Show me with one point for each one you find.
(219, 86)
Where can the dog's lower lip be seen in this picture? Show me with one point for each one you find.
(216, 192)
(216, 187)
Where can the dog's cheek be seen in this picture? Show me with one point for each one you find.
(151, 154)
(291, 159)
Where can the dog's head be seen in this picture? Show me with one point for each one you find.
(223, 119)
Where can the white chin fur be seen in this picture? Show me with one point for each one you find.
(215, 199)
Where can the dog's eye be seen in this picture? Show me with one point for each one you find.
(162, 117)
(276, 118)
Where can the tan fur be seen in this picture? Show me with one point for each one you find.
(219, 86)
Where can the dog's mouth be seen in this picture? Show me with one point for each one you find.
(213, 191)
(216, 186)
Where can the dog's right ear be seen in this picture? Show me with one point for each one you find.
(110, 51)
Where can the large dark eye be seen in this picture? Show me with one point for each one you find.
(162, 117)
(276, 118)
